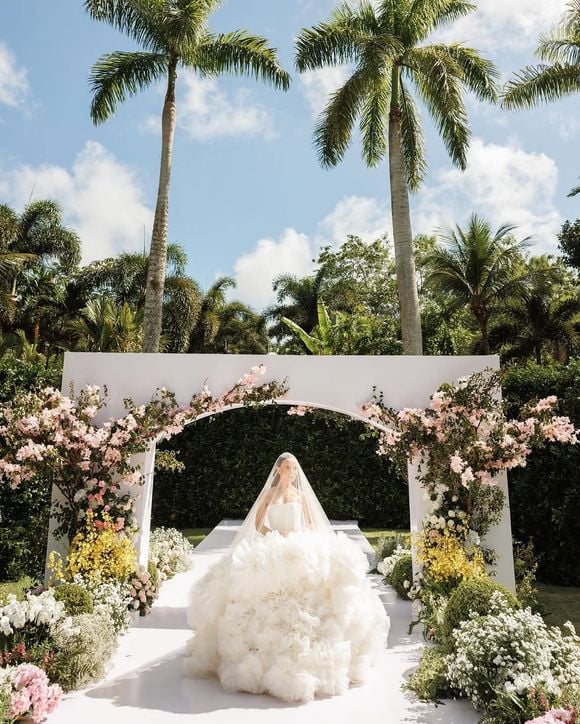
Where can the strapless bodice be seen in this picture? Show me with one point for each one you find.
(285, 516)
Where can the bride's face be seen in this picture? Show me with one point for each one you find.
(287, 472)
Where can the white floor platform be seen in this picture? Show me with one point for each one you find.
(145, 685)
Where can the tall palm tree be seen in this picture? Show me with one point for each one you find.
(385, 41)
(241, 331)
(174, 34)
(477, 269)
(123, 278)
(559, 74)
(38, 233)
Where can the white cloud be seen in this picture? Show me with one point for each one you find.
(205, 112)
(566, 124)
(358, 215)
(100, 197)
(14, 89)
(506, 24)
(504, 183)
(291, 253)
(317, 85)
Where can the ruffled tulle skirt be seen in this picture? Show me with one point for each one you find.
(292, 617)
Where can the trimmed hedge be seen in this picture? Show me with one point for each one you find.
(402, 571)
(229, 456)
(545, 495)
(76, 599)
(471, 596)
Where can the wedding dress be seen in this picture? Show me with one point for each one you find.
(289, 610)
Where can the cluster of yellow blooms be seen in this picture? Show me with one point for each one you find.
(446, 559)
(97, 552)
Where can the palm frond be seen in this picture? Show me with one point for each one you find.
(240, 53)
(412, 140)
(139, 19)
(541, 84)
(333, 131)
(338, 42)
(373, 123)
(479, 74)
(425, 16)
(184, 23)
(437, 78)
(116, 75)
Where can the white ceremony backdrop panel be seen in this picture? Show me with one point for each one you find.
(338, 383)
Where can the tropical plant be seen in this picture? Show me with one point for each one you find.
(559, 74)
(477, 268)
(105, 327)
(569, 243)
(174, 34)
(385, 41)
(38, 234)
(297, 299)
(320, 341)
(537, 318)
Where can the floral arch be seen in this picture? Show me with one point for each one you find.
(342, 384)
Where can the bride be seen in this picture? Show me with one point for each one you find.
(289, 611)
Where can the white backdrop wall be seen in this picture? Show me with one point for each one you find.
(338, 383)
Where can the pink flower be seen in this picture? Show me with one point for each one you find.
(467, 477)
(456, 463)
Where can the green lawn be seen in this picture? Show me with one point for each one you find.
(18, 588)
(560, 604)
(195, 535)
(373, 535)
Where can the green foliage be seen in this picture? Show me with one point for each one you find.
(569, 243)
(385, 547)
(350, 479)
(16, 588)
(471, 596)
(82, 657)
(545, 495)
(402, 573)
(154, 573)
(429, 681)
(17, 374)
(525, 566)
(76, 599)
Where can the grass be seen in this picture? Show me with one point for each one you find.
(373, 535)
(195, 535)
(18, 588)
(559, 604)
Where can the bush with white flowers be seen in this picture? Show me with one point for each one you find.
(111, 599)
(170, 552)
(511, 651)
(385, 567)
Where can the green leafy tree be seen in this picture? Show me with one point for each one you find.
(559, 74)
(544, 315)
(296, 299)
(173, 34)
(123, 278)
(387, 44)
(105, 327)
(569, 243)
(477, 269)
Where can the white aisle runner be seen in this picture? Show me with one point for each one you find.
(145, 685)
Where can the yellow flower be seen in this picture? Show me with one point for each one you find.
(446, 559)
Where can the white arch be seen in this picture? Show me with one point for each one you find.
(341, 384)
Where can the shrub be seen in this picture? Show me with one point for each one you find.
(429, 681)
(512, 651)
(75, 598)
(111, 599)
(15, 588)
(26, 694)
(155, 575)
(472, 596)
(83, 653)
(387, 565)
(402, 576)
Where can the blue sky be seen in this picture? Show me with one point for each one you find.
(248, 197)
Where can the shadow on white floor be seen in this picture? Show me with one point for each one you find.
(145, 684)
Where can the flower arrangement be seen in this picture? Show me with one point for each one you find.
(25, 692)
(32, 620)
(97, 551)
(170, 552)
(111, 600)
(511, 651)
(144, 589)
(52, 436)
(447, 559)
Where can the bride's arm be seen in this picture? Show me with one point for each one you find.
(261, 514)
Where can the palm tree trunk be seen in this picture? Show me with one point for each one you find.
(538, 354)
(484, 336)
(403, 240)
(153, 312)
